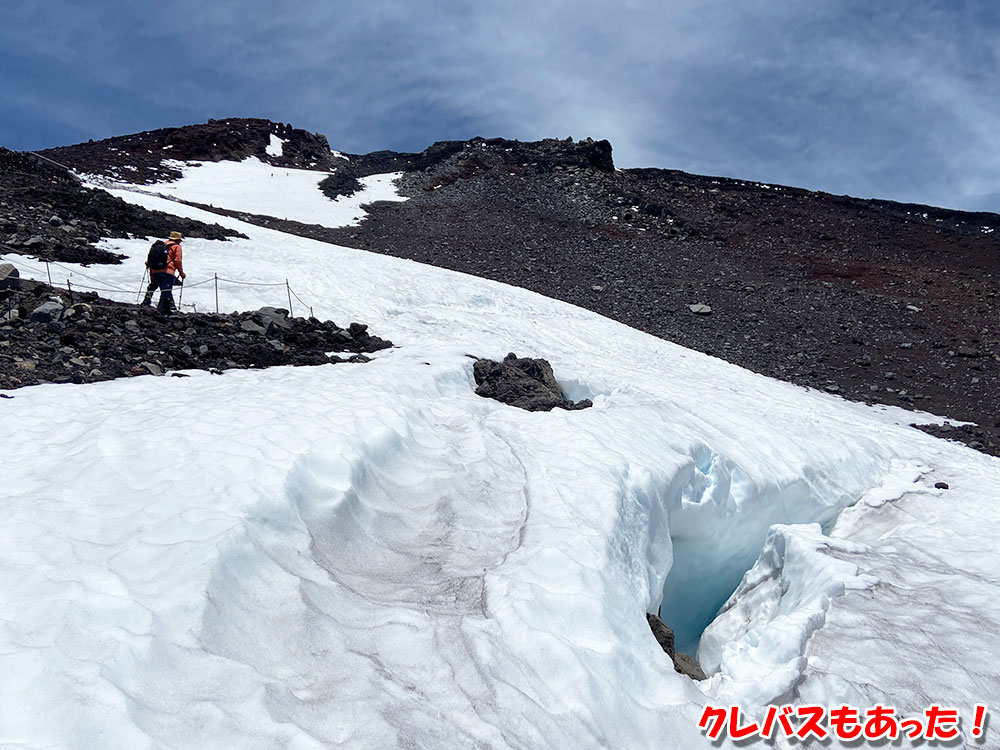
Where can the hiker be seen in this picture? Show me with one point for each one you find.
(165, 259)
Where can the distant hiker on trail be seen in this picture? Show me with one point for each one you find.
(165, 259)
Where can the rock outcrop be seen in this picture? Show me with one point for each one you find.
(448, 161)
(522, 382)
(145, 157)
(664, 635)
(51, 336)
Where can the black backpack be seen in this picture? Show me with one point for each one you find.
(157, 258)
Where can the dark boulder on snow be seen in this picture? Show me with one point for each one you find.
(273, 318)
(522, 382)
(664, 635)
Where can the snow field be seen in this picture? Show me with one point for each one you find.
(372, 556)
(256, 187)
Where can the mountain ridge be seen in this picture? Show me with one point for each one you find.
(805, 286)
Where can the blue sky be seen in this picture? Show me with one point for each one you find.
(885, 99)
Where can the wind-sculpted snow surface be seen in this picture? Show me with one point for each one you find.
(371, 556)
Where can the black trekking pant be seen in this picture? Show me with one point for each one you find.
(165, 283)
(148, 299)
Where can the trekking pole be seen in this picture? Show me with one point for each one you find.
(48, 270)
(289, 290)
(180, 299)
(217, 292)
(141, 285)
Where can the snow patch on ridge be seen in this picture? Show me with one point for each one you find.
(276, 147)
(256, 187)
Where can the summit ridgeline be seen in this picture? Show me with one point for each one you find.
(139, 158)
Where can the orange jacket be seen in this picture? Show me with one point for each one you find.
(175, 258)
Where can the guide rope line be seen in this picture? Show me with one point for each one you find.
(112, 183)
(197, 283)
(93, 288)
(85, 287)
(102, 179)
(21, 264)
(80, 273)
(107, 181)
(53, 161)
(73, 287)
(250, 283)
(26, 267)
(129, 187)
(215, 279)
(298, 297)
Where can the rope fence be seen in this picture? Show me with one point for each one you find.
(250, 283)
(109, 288)
(80, 273)
(292, 292)
(116, 184)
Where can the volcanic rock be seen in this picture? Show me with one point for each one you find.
(270, 318)
(664, 635)
(522, 382)
(48, 312)
(83, 338)
(140, 158)
(8, 276)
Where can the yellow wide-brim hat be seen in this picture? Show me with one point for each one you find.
(176, 236)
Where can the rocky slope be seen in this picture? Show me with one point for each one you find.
(48, 335)
(876, 301)
(47, 213)
(145, 157)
